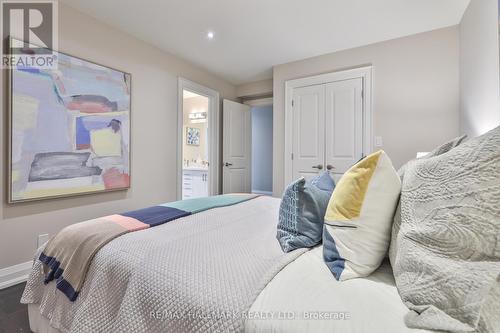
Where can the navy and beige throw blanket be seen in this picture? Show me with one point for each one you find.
(67, 256)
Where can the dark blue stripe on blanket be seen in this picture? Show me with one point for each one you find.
(56, 273)
(53, 266)
(67, 289)
(156, 215)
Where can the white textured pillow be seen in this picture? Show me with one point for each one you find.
(359, 216)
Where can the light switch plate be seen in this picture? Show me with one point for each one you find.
(378, 141)
(42, 239)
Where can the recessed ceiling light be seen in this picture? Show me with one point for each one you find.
(210, 35)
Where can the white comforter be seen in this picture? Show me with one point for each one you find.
(306, 292)
(199, 273)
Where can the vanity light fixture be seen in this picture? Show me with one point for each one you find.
(197, 117)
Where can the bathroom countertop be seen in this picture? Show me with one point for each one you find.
(195, 168)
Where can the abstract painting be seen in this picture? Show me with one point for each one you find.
(69, 130)
(192, 136)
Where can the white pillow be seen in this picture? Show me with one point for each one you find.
(359, 216)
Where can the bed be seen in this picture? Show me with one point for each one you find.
(220, 270)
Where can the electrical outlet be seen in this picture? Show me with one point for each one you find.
(42, 239)
(378, 141)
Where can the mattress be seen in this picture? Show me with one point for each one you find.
(305, 297)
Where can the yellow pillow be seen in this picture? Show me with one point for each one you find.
(358, 219)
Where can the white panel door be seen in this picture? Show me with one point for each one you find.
(308, 143)
(344, 125)
(237, 136)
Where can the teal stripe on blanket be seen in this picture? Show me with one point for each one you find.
(201, 204)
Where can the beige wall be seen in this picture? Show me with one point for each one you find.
(415, 92)
(192, 152)
(154, 134)
(479, 68)
(253, 89)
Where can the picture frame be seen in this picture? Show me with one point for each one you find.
(192, 136)
(85, 147)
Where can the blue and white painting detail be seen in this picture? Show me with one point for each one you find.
(70, 130)
(192, 136)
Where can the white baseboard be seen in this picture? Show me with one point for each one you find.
(269, 193)
(13, 275)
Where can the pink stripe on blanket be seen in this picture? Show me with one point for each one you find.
(128, 223)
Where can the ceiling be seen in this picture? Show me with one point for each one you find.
(189, 94)
(251, 36)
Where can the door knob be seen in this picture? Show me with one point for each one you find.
(330, 167)
(228, 164)
(319, 167)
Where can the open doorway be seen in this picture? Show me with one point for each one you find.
(195, 144)
(198, 141)
(262, 148)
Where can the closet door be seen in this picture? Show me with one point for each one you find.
(308, 145)
(344, 125)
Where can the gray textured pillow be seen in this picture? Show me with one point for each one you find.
(447, 146)
(446, 251)
(444, 148)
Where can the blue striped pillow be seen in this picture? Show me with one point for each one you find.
(302, 212)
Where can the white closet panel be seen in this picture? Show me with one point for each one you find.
(308, 130)
(344, 125)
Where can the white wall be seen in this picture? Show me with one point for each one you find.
(415, 92)
(479, 68)
(258, 88)
(154, 134)
(262, 148)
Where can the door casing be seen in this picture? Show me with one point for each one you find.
(213, 133)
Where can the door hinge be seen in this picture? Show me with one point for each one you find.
(293, 102)
(362, 94)
(291, 156)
